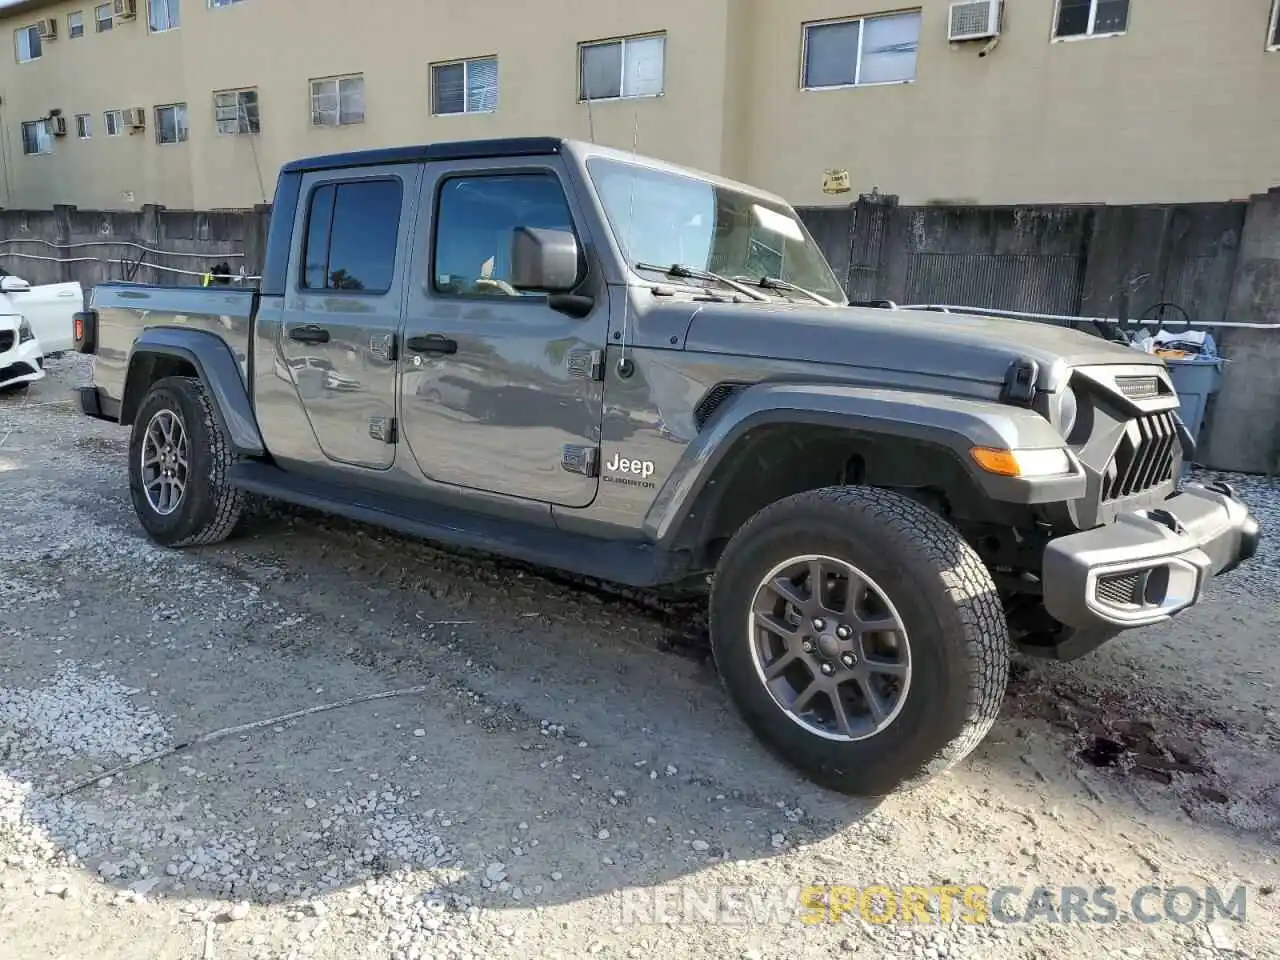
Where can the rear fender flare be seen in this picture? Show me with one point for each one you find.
(954, 424)
(218, 371)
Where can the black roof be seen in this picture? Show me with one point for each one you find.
(451, 150)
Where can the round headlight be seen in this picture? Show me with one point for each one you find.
(1068, 411)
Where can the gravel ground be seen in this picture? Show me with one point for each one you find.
(541, 782)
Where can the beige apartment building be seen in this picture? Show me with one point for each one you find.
(196, 103)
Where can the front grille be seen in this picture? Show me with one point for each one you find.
(1139, 388)
(6, 340)
(1120, 589)
(1145, 457)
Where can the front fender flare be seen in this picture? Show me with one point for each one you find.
(217, 369)
(951, 423)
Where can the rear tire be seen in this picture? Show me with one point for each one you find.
(893, 688)
(179, 467)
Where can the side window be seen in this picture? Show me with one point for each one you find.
(352, 229)
(475, 221)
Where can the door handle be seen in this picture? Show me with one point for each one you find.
(432, 343)
(309, 334)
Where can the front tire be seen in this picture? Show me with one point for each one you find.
(179, 466)
(888, 673)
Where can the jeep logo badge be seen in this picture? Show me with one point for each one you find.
(631, 473)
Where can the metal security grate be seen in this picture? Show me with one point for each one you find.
(1144, 458)
(1139, 388)
(971, 19)
(1121, 589)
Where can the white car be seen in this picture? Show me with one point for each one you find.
(49, 308)
(21, 360)
(34, 323)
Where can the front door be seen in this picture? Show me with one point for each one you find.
(343, 307)
(499, 392)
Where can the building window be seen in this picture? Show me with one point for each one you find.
(337, 101)
(473, 211)
(236, 111)
(1273, 37)
(27, 41)
(352, 231)
(1091, 18)
(171, 123)
(36, 137)
(215, 4)
(75, 24)
(112, 122)
(102, 17)
(84, 126)
(615, 69)
(164, 15)
(467, 86)
(862, 52)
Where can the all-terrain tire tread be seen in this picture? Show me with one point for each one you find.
(228, 500)
(211, 507)
(926, 535)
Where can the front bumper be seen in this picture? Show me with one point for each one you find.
(21, 363)
(1150, 564)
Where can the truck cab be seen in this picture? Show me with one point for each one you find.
(621, 368)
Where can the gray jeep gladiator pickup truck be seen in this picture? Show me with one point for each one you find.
(624, 369)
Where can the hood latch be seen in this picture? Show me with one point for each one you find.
(1020, 382)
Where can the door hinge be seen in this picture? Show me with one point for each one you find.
(383, 428)
(587, 364)
(382, 346)
(582, 460)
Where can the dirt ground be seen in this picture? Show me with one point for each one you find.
(568, 779)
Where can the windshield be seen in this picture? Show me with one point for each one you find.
(665, 218)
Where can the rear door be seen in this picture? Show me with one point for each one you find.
(499, 392)
(343, 307)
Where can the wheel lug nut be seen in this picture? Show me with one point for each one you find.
(827, 669)
(807, 646)
(848, 660)
(843, 632)
(819, 624)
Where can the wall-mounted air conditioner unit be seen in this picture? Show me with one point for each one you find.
(48, 29)
(58, 125)
(135, 117)
(975, 20)
(125, 10)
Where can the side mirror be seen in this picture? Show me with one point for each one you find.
(544, 260)
(12, 284)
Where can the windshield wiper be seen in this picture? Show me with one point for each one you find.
(777, 283)
(682, 271)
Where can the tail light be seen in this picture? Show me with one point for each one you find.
(84, 327)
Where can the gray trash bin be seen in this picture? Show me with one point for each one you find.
(1196, 379)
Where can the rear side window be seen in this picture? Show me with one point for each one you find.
(352, 229)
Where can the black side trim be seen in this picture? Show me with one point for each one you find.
(218, 371)
(275, 263)
(448, 150)
(632, 563)
(94, 403)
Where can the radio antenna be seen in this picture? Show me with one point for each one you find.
(625, 366)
